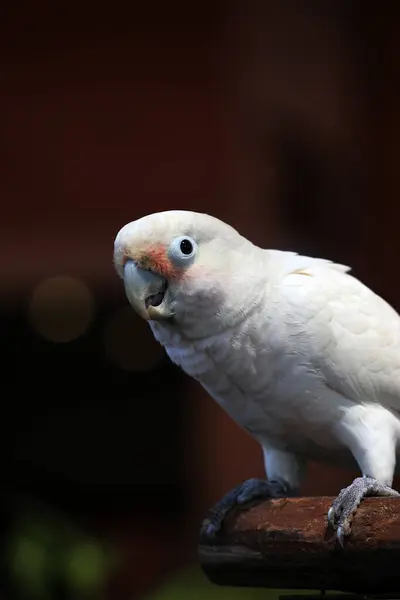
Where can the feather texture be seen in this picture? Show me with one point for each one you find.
(299, 352)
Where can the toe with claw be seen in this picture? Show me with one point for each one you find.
(344, 507)
(245, 492)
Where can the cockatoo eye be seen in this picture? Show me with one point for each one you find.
(186, 246)
(182, 249)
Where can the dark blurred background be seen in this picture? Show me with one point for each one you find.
(281, 118)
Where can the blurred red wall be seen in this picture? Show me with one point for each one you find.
(108, 116)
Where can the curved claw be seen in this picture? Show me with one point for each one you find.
(331, 517)
(211, 530)
(340, 536)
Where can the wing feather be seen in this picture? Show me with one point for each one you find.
(346, 331)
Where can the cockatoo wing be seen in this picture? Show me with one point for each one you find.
(349, 333)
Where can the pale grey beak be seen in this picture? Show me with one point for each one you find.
(145, 291)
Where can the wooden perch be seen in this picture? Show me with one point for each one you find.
(287, 544)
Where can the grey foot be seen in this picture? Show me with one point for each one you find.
(341, 513)
(241, 494)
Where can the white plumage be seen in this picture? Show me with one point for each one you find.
(299, 352)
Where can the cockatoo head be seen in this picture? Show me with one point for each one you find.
(180, 267)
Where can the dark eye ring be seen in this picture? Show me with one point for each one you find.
(186, 247)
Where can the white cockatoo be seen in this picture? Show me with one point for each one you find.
(299, 352)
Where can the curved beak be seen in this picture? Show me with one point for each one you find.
(145, 291)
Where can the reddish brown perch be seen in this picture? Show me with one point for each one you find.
(286, 544)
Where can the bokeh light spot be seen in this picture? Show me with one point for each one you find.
(61, 308)
(129, 343)
(86, 568)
